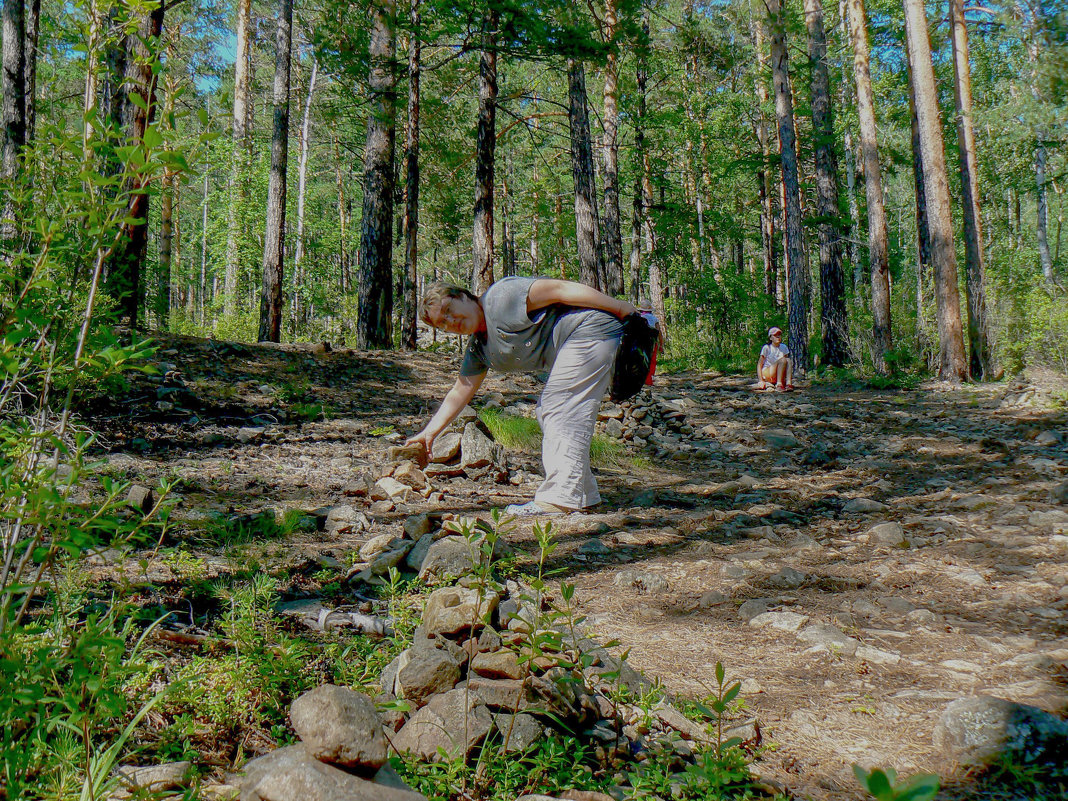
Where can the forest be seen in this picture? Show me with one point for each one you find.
(216, 223)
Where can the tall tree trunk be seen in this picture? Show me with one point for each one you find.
(507, 233)
(982, 356)
(33, 35)
(923, 233)
(765, 185)
(299, 312)
(275, 233)
(796, 270)
(953, 365)
(1042, 209)
(125, 280)
(240, 157)
(376, 235)
(204, 254)
(587, 228)
(485, 155)
(878, 250)
(613, 238)
(835, 323)
(13, 86)
(409, 331)
(342, 218)
(166, 249)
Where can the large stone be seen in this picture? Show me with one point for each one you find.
(292, 774)
(476, 449)
(861, 505)
(890, 535)
(506, 695)
(419, 551)
(446, 447)
(451, 721)
(518, 732)
(497, 665)
(141, 498)
(643, 580)
(155, 778)
(783, 621)
(413, 453)
(614, 429)
(451, 610)
(409, 474)
(416, 526)
(389, 488)
(448, 556)
(426, 672)
(985, 729)
(779, 438)
(339, 726)
(829, 637)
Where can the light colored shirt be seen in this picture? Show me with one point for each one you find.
(518, 341)
(772, 354)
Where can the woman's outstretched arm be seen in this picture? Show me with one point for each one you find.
(455, 400)
(547, 291)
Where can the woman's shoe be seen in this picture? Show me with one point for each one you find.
(531, 509)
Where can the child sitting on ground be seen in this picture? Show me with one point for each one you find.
(775, 367)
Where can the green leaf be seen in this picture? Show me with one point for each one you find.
(922, 787)
(720, 673)
(153, 138)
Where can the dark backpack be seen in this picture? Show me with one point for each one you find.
(636, 357)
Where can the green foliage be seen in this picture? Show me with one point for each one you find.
(512, 431)
(885, 786)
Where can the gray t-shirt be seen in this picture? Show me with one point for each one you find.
(515, 341)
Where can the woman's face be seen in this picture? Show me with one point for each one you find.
(776, 339)
(458, 316)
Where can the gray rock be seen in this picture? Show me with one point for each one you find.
(375, 546)
(779, 438)
(450, 610)
(497, 665)
(389, 488)
(711, 598)
(416, 526)
(248, 434)
(984, 729)
(876, 656)
(339, 726)
(418, 553)
(644, 581)
(750, 609)
(783, 621)
(402, 453)
(504, 695)
(476, 449)
(410, 475)
(292, 774)
(1059, 494)
(594, 547)
(788, 579)
(448, 556)
(887, 534)
(645, 499)
(1055, 520)
(426, 672)
(518, 732)
(614, 429)
(155, 778)
(861, 505)
(446, 447)
(831, 637)
(450, 721)
(141, 498)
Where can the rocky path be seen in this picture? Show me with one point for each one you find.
(859, 558)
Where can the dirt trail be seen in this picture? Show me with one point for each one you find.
(730, 552)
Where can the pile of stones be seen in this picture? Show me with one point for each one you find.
(647, 421)
(491, 665)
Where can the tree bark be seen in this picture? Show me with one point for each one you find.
(613, 239)
(375, 319)
(485, 155)
(33, 34)
(587, 228)
(923, 234)
(13, 86)
(878, 250)
(796, 270)
(275, 233)
(342, 218)
(124, 273)
(240, 157)
(299, 310)
(409, 331)
(834, 322)
(166, 249)
(765, 188)
(982, 356)
(1042, 210)
(953, 365)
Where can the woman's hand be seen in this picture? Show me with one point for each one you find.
(626, 309)
(423, 438)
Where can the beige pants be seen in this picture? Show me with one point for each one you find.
(567, 412)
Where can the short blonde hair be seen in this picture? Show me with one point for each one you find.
(435, 294)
